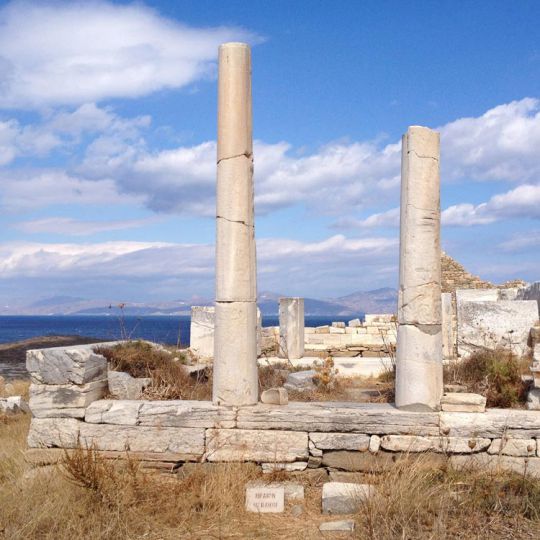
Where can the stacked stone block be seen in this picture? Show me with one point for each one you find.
(65, 380)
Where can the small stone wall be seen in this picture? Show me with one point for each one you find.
(375, 336)
(68, 384)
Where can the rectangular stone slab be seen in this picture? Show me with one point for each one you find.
(484, 461)
(173, 413)
(64, 396)
(494, 423)
(373, 418)
(255, 445)
(189, 442)
(456, 445)
(75, 364)
(340, 441)
(53, 433)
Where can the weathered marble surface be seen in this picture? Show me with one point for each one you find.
(463, 402)
(419, 349)
(76, 364)
(504, 323)
(186, 443)
(340, 441)
(513, 447)
(344, 497)
(256, 445)
(291, 327)
(494, 423)
(49, 400)
(373, 418)
(173, 413)
(408, 443)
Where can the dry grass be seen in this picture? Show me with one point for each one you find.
(495, 374)
(88, 497)
(170, 380)
(15, 387)
(414, 501)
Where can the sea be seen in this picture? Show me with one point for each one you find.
(170, 330)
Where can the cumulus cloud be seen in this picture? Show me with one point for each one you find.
(64, 129)
(338, 178)
(521, 202)
(55, 53)
(501, 144)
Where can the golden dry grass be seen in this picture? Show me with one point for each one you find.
(88, 497)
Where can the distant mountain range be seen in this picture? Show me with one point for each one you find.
(377, 301)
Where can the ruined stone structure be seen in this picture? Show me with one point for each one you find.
(454, 276)
(69, 384)
(235, 346)
(419, 382)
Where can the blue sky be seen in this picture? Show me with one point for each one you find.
(107, 141)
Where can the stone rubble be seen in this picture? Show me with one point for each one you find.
(13, 405)
(343, 525)
(463, 402)
(344, 497)
(275, 396)
(300, 381)
(124, 386)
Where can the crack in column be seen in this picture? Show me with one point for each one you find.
(248, 155)
(240, 221)
(422, 157)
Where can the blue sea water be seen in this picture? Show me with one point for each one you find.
(167, 330)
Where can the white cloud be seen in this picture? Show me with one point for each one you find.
(27, 189)
(338, 178)
(528, 241)
(75, 227)
(328, 266)
(501, 144)
(521, 202)
(63, 129)
(55, 53)
(390, 218)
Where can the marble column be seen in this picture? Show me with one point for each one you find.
(419, 384)
(291, 328)
(235, 343)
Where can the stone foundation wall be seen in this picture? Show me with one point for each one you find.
(348, 436)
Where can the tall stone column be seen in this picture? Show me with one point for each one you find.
(291, 328)
(235, 343)
(419, 384)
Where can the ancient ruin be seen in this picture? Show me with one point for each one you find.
(70, 384)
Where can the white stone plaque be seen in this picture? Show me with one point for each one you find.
(265, 499)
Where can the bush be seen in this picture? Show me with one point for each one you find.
(495, 374)
(170, 380)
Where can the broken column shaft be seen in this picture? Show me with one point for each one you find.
(291, 328)
(419, 382)
(235, 343)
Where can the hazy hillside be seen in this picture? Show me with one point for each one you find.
(377, 301)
